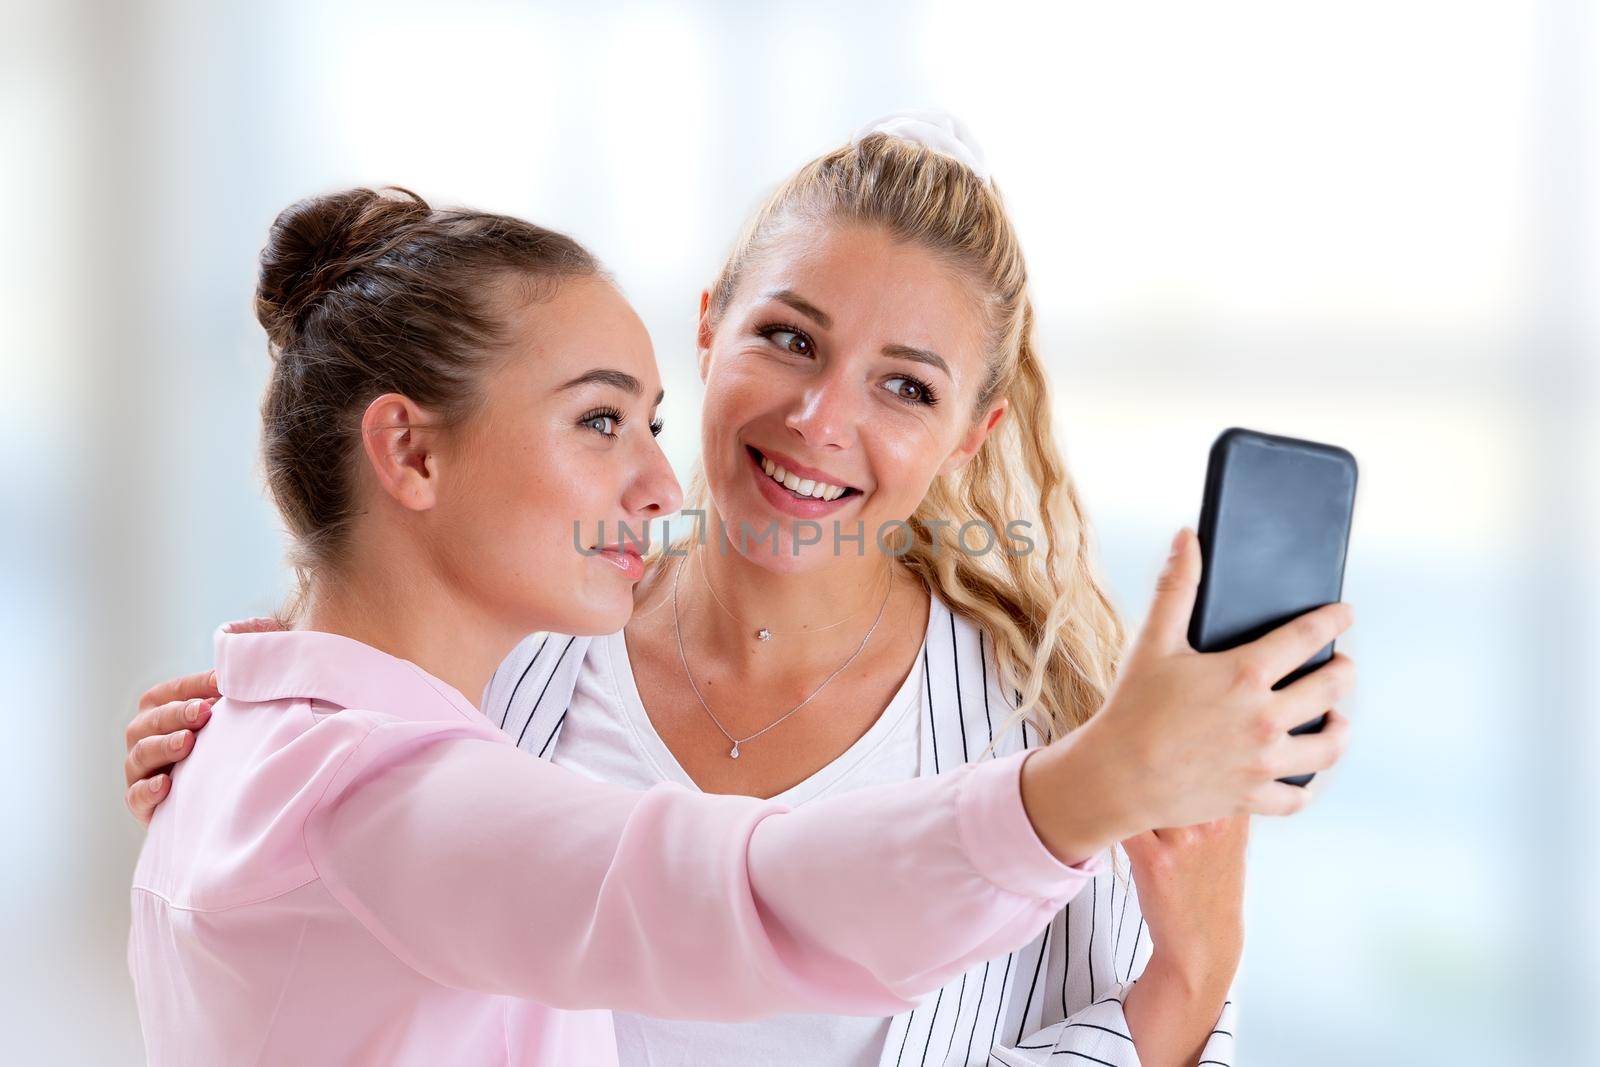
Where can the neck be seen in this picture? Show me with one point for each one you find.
(726, 598)
(404, 609)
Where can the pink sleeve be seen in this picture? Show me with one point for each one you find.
(485, 869)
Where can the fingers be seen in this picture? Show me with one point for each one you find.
(191, 687)
(143, 796)
(168, 718)
(1325, 687)
(156, 752)
(1166, 628)
(1281, 651)
(1312, 753)
(1280, 798)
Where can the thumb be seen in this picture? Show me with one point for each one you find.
(1166, 628)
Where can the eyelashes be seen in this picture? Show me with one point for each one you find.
(799, 336)
(607, 421)
(801, 344)
(924, 391)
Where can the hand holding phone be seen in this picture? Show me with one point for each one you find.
(1274, 529)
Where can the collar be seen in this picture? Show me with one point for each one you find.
(256, 665)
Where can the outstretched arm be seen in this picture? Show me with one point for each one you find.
(484, 869)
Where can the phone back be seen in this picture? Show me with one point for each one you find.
(1274, 528)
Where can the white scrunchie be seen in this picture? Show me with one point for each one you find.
(934, 130)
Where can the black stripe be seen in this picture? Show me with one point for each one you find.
(983, 664)
(960, 998)
(512, 699)
(1081, 1056)
(1044, 947)
(1066, 955)
(1135, 954)
(909, 1019)
(932, 1021)
(977, 1012)
(927, 680)
(545, 690)
(1094, 918)
(556, 729)
(994, 1037)
(1107, 1029)
(961, 711)
(1224, 1033)
(1218, 1063)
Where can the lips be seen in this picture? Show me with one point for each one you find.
(625, 558)
(805, 492)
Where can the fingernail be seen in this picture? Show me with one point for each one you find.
(158, 783)
(1177, 540)
(196, 710)
(176, 742)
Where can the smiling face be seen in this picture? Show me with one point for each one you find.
(563, 435)
(841, 379)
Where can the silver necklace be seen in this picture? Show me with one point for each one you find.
(733, 753)
(764, 633)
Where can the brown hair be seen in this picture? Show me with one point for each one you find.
(368, 292)
(1056, 634)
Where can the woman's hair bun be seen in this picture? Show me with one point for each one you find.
(318, 242)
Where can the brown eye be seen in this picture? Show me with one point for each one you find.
(792, 340)
(911, 389)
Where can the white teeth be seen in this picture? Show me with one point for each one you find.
(802, 486)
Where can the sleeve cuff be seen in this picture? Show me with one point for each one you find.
(1000, 839)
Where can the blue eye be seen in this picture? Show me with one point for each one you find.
(603, 421)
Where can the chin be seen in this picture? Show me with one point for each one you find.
(603, 612)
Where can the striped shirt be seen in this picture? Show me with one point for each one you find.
(1056, 1000)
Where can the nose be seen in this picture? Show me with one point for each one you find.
(653, 490)
(824, 415)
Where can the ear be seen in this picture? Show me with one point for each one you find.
(975, 438)
(400, 443)
(703, 335)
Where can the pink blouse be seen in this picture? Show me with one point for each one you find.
(357, 867)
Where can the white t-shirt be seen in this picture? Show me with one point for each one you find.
(607, 735)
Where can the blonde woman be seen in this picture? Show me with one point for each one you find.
(892, 577)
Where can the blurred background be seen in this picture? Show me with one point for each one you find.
(1370, 223)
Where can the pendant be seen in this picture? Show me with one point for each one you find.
(735, 753)
(763, 634)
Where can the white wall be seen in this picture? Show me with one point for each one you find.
(1367, 222)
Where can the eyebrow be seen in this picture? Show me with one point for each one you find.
(802, 305)
(605, 376)
(918, 355)
(807, 308)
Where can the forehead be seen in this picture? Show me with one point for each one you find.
(585, 324)
(864, 277)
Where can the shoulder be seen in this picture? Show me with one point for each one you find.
(964, 685)
(539, 674)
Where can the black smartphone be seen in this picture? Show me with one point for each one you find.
(1274, 529)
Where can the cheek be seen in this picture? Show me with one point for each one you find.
(904, 462)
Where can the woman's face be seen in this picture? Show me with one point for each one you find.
(564, 442)
(847, 364)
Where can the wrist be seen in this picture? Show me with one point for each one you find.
(1202, 975)
(1073, 798)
